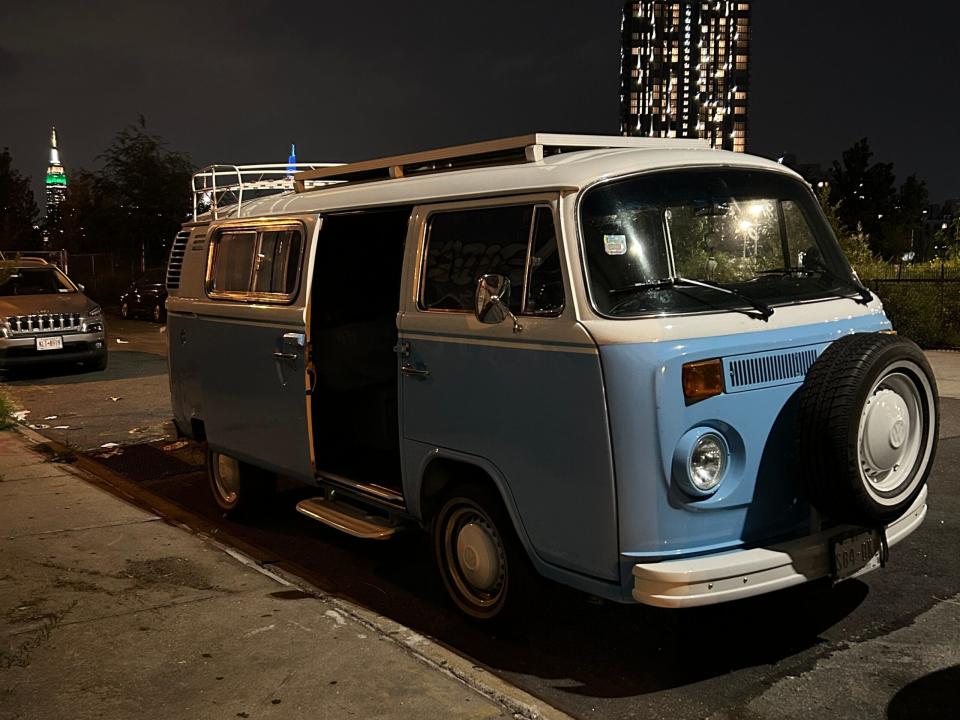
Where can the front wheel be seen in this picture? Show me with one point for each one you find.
(125, 310)
(157, 314)
(483, 565)
(240, 490)
(97, 365)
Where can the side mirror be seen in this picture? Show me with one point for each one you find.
(82, 288)
(492, 301)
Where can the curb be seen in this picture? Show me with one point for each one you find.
(519, 703)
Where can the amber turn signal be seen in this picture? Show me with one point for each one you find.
(702, 379)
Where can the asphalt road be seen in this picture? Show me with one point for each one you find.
(886, 645)
(129, 402)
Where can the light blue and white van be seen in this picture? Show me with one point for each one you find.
(642, 368)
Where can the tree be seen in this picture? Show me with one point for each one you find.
(854, 243)
(905, 231)
(865, 192)
(18, 208)
(144, 190)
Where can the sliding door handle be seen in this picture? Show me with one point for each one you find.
(412, 371)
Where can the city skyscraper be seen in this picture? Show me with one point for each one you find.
(684, 70)
(56, 182)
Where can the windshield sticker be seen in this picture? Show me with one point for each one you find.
(615, 244)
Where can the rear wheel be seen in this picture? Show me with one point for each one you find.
(157, 314)
(125, 309)
(484, 567)
(240, 490)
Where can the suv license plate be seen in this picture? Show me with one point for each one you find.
(50, 343)
(855, 554)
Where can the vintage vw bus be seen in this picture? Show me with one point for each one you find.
(642, 368)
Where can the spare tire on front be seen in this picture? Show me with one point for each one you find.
(867, 428)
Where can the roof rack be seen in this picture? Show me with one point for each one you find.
(218, 186)
(505, 151)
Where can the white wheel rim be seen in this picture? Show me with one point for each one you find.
(226, 477)
(895, 433)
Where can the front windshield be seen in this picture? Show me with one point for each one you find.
(35, 281)
(757, 233)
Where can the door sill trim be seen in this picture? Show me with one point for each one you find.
(369, 489)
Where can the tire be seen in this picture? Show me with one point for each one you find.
(484, 567)
(867, 424)
(124, 310)
(98, 365)
(241, 491)
(157, 314)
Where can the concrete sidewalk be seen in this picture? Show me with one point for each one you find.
(946, 366)
(107, 611)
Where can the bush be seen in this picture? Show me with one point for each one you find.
(6, 412)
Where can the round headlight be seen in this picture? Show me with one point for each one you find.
(708, 462)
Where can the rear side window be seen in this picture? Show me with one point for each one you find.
(517, 241)
(277, 262)
(255, 264)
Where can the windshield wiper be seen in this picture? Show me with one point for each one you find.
(764, 311)
(863, 296)
(788, 271)
(646, 285)
(761, 311)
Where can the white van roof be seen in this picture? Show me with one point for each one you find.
(541, 162)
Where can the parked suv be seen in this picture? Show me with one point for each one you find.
(44, 317)
(146, 297)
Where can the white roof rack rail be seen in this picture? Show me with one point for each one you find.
(218, 186)
(505, 151)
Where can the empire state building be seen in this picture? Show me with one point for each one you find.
(56, 182)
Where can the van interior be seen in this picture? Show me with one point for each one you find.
(353, 326)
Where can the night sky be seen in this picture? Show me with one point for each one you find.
(237, 82)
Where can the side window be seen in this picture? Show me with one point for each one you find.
(544, 275)
(261, 265)
(518, 241)
(233, 262)
(278, 261)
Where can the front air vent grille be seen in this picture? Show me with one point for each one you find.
(45, 322)
(175, 266)
(768, 369)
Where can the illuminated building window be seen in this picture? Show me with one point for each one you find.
(695, 59)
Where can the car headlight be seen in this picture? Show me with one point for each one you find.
(93, 312)
(708, 463)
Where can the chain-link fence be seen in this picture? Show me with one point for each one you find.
(924, 309)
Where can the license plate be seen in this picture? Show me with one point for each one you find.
(855, 554)
(50, 343)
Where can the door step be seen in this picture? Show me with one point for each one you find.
(347, 518)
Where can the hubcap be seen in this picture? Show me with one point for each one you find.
(885, 430)
(474, 557)
(478, 556)
(891, 434)
(226, 476)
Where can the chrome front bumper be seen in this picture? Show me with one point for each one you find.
(21, 349)
(733, 575)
